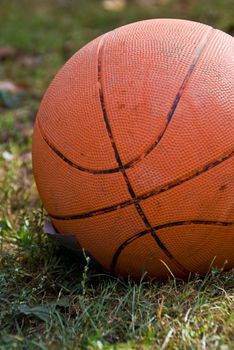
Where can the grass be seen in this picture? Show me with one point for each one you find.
(49, 298)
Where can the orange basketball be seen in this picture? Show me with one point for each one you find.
(133, 149)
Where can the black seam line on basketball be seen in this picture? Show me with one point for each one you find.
(149, 194)
(160, 227)
(68, 161)
(131, 163)
(118, 159)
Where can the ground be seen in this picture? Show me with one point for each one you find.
(51, 299)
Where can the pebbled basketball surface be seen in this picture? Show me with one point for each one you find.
(133, 148)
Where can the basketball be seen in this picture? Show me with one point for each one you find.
(133, 149)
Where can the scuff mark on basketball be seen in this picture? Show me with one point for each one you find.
(223, 187)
